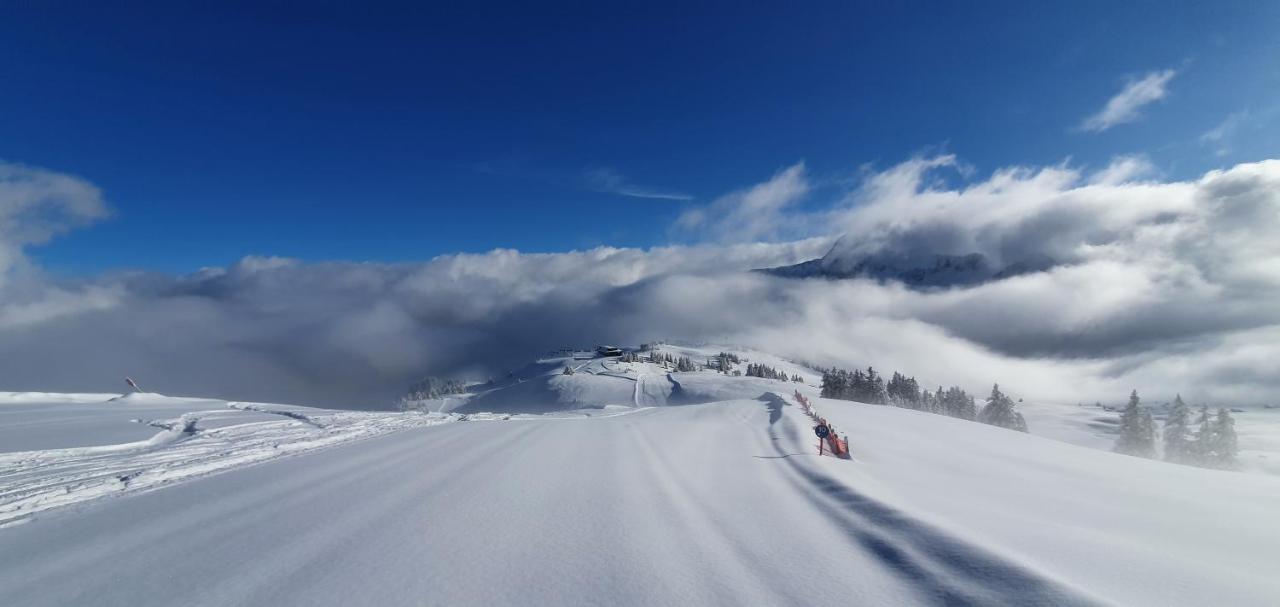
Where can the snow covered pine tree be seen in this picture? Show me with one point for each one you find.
(1137, 430)
(1178, 445)
(999, 411)
(1216, 445)
(1226, 447)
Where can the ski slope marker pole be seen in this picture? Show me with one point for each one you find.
(821, 430)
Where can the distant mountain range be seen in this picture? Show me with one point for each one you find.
(916, 270)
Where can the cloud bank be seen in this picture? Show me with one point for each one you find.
(1163, 286)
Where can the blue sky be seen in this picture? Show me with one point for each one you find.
(400, 133)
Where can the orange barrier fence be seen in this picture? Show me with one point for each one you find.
(830, 440)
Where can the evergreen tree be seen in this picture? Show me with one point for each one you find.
(430, 388)
(857, 389)
(894, 388)
(903, 391)
(1148, 431)
(434, 387)
(962, 405)
(765, 371)
(999, 411)
(876, 393)
(1225, 446)
(1178, 446)
(725, 362)
(869, 387)
(827, 388)
(1202, 449)
(969, 409)
(955, 403)
(1137, 431)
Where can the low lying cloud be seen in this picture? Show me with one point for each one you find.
(350, 334)
(1164, 286)
(1128, 103)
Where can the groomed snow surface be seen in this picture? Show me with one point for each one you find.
(722, 501)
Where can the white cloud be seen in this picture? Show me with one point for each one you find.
(1142, 268)
(612, 182)
(758, 212)
(37, 204)
(1124, 169)
(1125, 106)
(1221, 136)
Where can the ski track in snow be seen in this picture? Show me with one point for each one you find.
(32, 482)
(652, 390)
(35, 481)
(943, 569)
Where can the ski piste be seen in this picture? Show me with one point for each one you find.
(592, 483)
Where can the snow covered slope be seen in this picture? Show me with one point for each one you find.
(1096, 427)
(714, 503)
(56, 454)
(1132, 530)
(542, 386)
(596, 382)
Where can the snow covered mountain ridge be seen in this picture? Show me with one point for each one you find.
(918, 270)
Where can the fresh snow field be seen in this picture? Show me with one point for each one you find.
(619, 484)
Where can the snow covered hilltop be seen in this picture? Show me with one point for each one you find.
(630, 480)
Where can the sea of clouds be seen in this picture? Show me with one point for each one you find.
(1159, 285)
